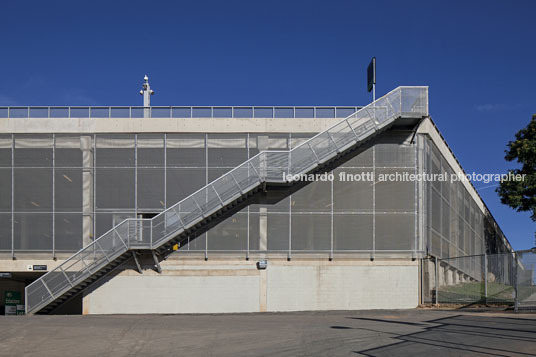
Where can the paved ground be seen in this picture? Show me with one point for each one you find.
(370, 333)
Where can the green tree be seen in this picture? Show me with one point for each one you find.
(521, 195)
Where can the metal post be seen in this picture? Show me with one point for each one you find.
(94, 185)
(436, 282)
(289, 256)
(54, 196)
(136, 175)
(12, 196)
(373, 202)
(247, 223)
(485, 278)
(331, 223)
(206, 183)
(165, 171)
(516, 293)
(417, 196)
(422, 281)
(165, 184)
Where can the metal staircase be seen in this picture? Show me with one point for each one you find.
(266, 170)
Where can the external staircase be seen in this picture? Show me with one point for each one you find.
(266, 171)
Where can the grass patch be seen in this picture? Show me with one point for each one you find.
(474, 292)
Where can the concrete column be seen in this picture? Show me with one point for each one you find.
(263, 229)
(450, 277)
(263, 293)
(441, 275)
(262, 144)
(87, 190)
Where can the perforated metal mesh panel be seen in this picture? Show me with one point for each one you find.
(455, 224)
(61, 178)
(353, 232)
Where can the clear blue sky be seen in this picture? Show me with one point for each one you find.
(478, 57)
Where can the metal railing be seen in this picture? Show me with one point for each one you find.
(179, 112)
(267, 166)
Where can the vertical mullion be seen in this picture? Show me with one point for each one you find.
(12, 196)
(53, 196)
(247, 224)
(289, 256)
(136, 176)
(331, 223)
(165, 171)
(206, 183)
(416, 195)
(94, 186)
(374, 202)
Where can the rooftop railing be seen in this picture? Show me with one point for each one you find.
(179, 112)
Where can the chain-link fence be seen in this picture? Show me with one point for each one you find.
(526, 280)
(503, 279)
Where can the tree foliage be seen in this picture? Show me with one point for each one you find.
(521, 195)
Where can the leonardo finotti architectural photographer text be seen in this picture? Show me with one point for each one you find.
(370, 176)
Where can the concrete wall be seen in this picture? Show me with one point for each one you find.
(165, 125)
(192, 285)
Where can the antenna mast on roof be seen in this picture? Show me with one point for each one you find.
(147, 92)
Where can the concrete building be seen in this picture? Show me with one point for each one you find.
(106, 182)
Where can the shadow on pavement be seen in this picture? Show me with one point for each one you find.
(455, 335)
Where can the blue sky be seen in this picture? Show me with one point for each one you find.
(478, 57)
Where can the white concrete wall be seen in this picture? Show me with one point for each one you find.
(342, 287)
(233, 285)
(166, 125)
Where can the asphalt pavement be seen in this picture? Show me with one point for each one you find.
(336, 333)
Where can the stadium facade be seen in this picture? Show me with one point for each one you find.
(199, 209)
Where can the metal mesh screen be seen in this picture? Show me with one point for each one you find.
(231, 234)
(5, 150)
(5, 190)
(115, 188)
(278, 232)
(68, 190)
(352, 196)
(393, 195)
(353, 232)
(70, 149)
(33, 189)
(455, 224)
(150, 150)
(185, 150)
(68, 231)
(33, 231)
(5, 231)
(395, 232)
(311, 232)
(226, 150)
(150, 189)
(122, 174)
(115, 150)
(33, 150)
(99, 176)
